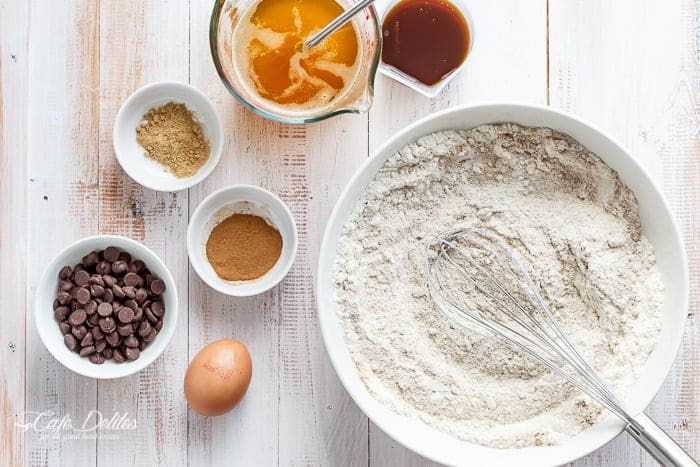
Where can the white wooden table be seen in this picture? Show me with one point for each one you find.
(630, 66)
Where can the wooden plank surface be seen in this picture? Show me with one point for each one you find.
(13, 233)
(153, 38)
(66, 67)
(62, 148)
(645, 95)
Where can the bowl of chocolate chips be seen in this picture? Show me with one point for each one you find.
(106, 307)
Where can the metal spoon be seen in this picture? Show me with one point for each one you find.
(336, 24)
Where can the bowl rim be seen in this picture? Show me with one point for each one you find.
(127, 368)
(266, 285)
(216, 126)
(327, 318)
(217, 10)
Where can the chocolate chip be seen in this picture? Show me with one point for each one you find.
(107, 306)
(65, 327)
(93, 319)
(150, 316)
(151, 335)
(97, 359)
(141, 295)
(158, 309)
(118, 291)
(63, 298)
(82, 295)
(139, 265)
(78, 317)
(109, 281)
(90, 307)
(97, 333)
(100, 345)
(87, 340)
(111, 254)
(158, 287)
(131, 341)
(126, 315)
(81, 278)
(96, 279)
(61, 312)
(65, 273)
(131, 279)
(129, 291)
(113, 339)
(138, 314)
(125, 329)
(119, 267)
(103, 267)
(144, 329)
(97, 290)
(70, 341)
(107, 325)
(91, 259)
(118, 356)
(132, 353)
(79, 332)
(104, 310)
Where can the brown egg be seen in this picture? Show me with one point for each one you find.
(218, 377)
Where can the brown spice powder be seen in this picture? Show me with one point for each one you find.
(172, 137)
(243, 247)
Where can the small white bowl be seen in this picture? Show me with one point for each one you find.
(130, 154)
(408, 80)
(47, 325)
(245, 199)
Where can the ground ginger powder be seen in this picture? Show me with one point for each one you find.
(171, 136)
(243, 247)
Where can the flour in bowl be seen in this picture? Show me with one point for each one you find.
(571, 221)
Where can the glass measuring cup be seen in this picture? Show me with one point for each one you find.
(357, 98)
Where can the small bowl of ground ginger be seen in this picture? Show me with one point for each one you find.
(167, 136)
(242, 240)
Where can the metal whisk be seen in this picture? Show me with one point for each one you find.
(479, 283)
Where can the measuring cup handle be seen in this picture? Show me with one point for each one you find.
(658, 443)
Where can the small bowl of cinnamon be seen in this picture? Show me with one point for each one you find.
(242, 240)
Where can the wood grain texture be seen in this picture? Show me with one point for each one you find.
(645, 95)
(62, 124)
(152, 38)
(502, 67)
(13, 234)
(295, 412)
(66, 67)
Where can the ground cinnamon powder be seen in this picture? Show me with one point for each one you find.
(171, 135)
(243, 247)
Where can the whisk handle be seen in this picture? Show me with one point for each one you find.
(658, 443)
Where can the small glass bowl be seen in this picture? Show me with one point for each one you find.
(411, 82)
(356, 99)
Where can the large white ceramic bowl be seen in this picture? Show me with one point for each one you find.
(48, 326)
(657, 222)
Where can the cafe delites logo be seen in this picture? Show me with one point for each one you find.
(95, 425)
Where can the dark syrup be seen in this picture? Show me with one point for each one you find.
(425, 39)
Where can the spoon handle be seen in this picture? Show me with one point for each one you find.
(334, 25)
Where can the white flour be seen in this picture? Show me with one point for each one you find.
(565, 213)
